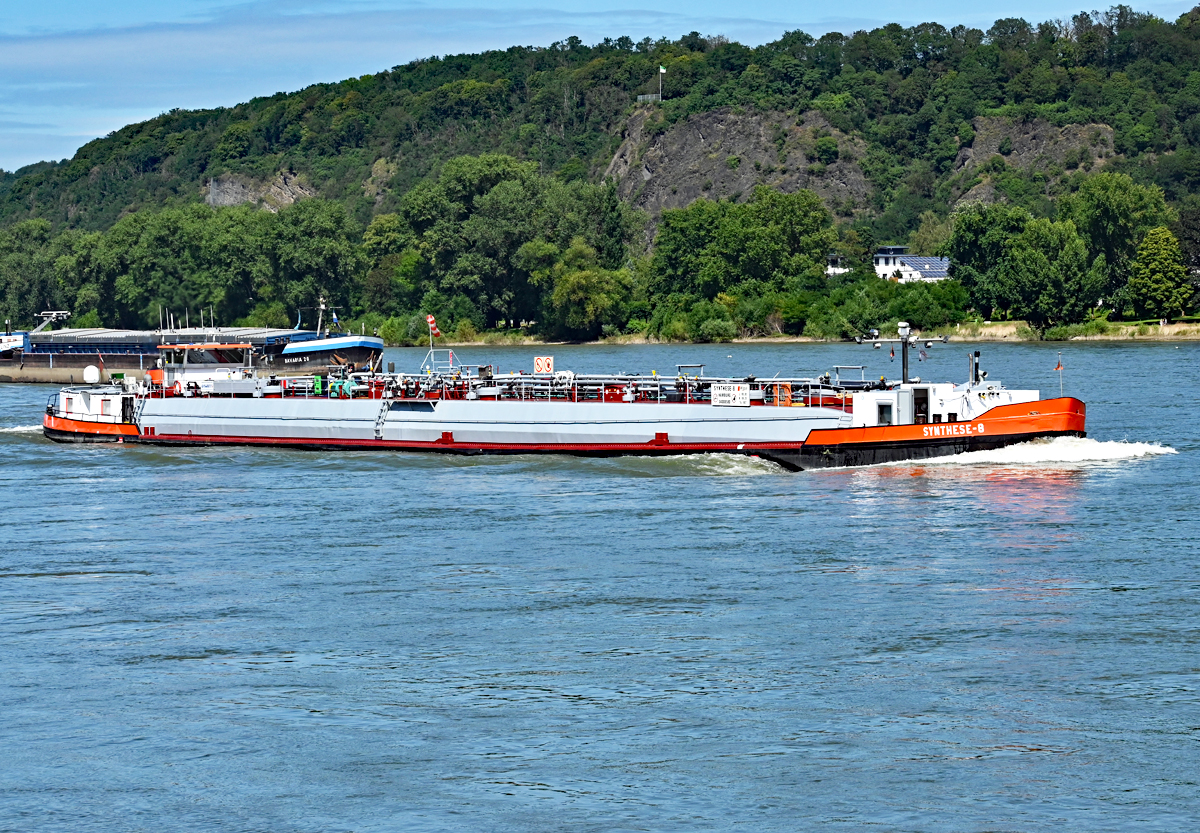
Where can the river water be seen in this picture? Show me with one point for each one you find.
(272, 640)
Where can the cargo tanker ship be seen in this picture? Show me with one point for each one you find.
(452, 408)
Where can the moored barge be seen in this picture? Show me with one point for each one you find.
(60, 356)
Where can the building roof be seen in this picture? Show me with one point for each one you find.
(929, 267)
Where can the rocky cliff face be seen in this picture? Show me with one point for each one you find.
(726, 152)
(272, 195)
(375, 187)
(1036, 145)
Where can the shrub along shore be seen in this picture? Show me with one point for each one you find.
(1012, 331)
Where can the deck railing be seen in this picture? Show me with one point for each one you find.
(558, 387)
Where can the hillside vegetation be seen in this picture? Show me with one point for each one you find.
(1055, 163)
(910, 95)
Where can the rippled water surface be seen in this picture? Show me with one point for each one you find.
(249, 639)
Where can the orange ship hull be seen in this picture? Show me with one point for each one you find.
(61, 429)
(998, 427)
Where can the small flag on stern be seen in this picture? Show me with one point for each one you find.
(893, 356)
(923, 357)
(662, 70)
(433, 328)
(1059, 365)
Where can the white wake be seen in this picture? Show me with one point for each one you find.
(22, 429)
(733, 465)
(1055, 450)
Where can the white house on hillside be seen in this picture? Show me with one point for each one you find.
(892, 262)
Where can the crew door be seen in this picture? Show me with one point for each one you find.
(904, 407)
(920, 406)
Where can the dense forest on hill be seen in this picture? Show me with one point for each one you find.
(472, 187)
(910, 93)
(491, 244)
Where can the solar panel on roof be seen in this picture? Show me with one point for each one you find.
(929, 267)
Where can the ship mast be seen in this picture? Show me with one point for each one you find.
(906, 340)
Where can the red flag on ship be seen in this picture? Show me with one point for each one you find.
(1059, 366)
(433, 326)
(893, 356)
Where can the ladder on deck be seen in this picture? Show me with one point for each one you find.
(382, 417)
(139, 406)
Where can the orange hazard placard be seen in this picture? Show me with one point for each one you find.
(543, 364)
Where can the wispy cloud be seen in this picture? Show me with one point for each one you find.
(292, 47)
(9, 124)
(76, 80)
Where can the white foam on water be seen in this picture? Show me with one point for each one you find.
(1079, 450)
(733, 465)
(22, 429)
(689, 465)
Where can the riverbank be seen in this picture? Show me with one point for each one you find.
(999, 331)
(1102, 331)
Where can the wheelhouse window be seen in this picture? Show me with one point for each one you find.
(884, 414)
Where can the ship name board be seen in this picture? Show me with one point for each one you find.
(735, 396)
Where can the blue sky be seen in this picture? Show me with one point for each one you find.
(71, 71)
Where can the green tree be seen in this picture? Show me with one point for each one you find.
(1028, 268)
(386, 235)
(858, 246)
(909, 94)
(1045, 278)
(315, 249)
(978, 243)
(776, 241)
(1112, 213)
(476, 229)
(1159, 285)
(930, 236)
(582, 295)
(27, 272)
(826, 150)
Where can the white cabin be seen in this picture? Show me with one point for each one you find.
(929, 403)
(103, 403)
